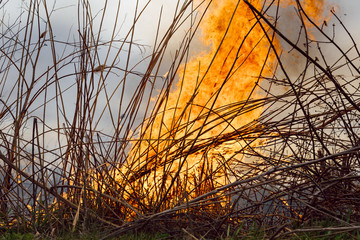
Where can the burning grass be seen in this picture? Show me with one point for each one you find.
(228, 140)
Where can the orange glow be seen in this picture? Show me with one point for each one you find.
(314, 9)
(227, 73)
(224, 75)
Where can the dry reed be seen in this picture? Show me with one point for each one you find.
(304, 165)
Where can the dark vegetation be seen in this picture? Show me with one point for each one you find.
(66, 165)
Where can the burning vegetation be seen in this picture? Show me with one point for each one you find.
(260, 128)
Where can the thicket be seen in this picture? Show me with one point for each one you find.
(70, 134)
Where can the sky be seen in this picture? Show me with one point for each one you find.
(347, 11)
(63, 17)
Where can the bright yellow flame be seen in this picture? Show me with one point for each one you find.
(238, 53)
(225, 74)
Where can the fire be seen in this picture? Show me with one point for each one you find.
(223, 76)
(207, 103)
(314, 9)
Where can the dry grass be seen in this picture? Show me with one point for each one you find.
(299, 161)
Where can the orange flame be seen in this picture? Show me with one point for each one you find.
(211, 82)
